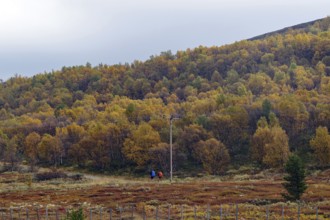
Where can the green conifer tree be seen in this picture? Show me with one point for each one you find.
(295, 179)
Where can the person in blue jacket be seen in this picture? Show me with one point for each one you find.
(152, 174)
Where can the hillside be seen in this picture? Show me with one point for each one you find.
(301, 27)
(252, 102)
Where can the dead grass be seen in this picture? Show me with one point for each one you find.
(17, 190)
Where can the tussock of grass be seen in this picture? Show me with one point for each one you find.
(241, 177)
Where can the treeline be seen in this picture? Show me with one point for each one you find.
(251, 102)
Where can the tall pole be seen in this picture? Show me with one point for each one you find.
(171, 147)
(171, 153)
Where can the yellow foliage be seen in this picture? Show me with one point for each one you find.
(270, 146)
(137, 147)
(277, 150)
(213, 155)
(321, 146)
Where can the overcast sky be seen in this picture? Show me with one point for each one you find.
(45, 35)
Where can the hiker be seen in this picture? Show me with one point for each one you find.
(152, 174)
(160, 175)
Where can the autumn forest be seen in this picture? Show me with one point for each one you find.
(253, 102)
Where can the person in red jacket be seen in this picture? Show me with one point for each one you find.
(160, 175)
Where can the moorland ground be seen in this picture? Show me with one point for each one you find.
(109, 191)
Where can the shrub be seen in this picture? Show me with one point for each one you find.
(49, 175)
(77, 176)
(75, 215)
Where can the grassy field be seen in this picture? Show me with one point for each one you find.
(254, 194)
